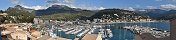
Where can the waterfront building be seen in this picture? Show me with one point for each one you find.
(95, 20)
(37, 21)
(88, 21)
(98, 20)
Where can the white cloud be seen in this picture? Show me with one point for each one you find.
(130, 9)
(60, 2)
(34, 7)
(101, 8)
(70, 3)
(168, 7)
(16, 2)
(151, 7)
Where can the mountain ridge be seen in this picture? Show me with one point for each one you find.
(57, 9)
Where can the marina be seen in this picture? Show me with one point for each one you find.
(108, 31)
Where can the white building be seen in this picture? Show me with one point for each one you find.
(37, 21)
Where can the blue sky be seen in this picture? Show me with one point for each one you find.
(92, 4)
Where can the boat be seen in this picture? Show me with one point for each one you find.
(67, 29)
(109, 33)
(92, 30)
(69, 32)
(52, 34)
(102, 31)
(77, 31)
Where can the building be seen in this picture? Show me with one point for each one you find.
(18, 35)
(37, 21)
(1, 17)
(173, 29)
(16, 31)
(97, 20)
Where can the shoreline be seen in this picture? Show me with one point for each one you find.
(127, 22)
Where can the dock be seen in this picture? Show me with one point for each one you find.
(83, 33)
(92, 37)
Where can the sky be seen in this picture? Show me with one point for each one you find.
(92, 4)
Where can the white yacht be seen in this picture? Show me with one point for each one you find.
(77, 31)
(69, 32)
(67, 29)
(103, 33)
(52, 34)
(109, 32)
(92, 30)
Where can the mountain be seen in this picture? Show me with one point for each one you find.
(58, 12)
(19, 14)
(168, 15)
(92, 14)
(62, 12)
(56, 9)
(157, 13)
(116, 14)
(19, 7)
(69, 16)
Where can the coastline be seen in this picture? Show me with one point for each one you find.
(128, 22)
